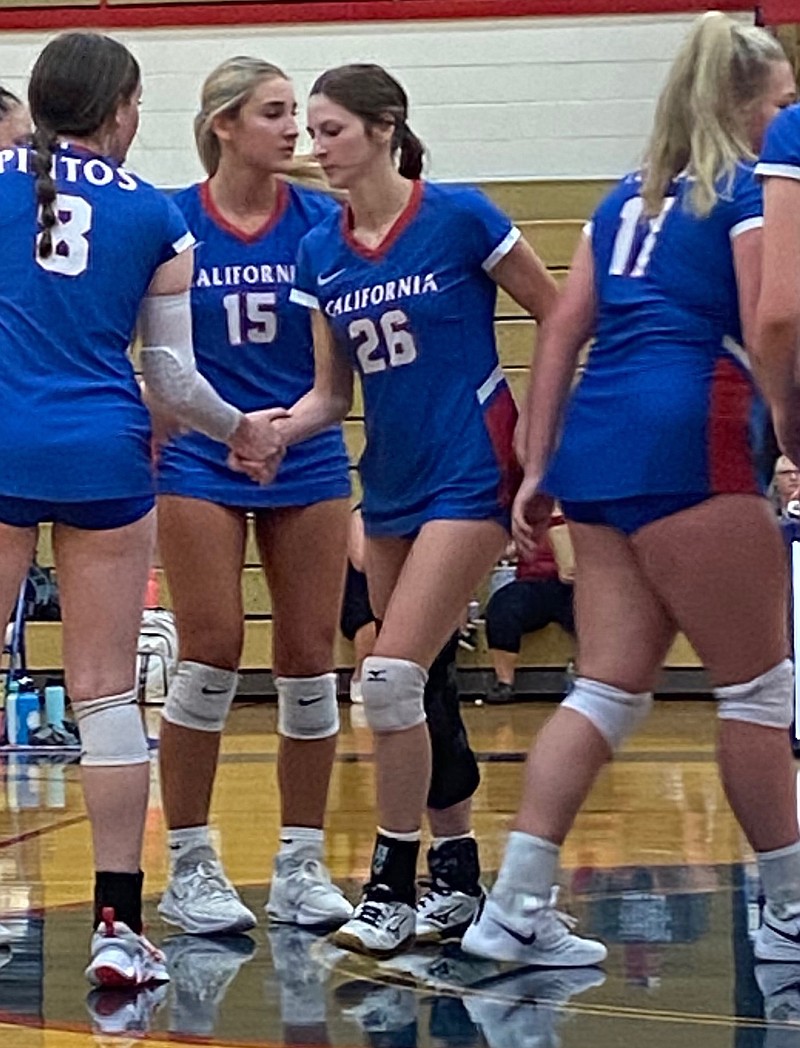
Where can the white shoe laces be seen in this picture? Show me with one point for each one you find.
(208, 881)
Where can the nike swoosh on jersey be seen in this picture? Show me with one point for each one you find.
(311, 701)
(322, 281)
(214, 691)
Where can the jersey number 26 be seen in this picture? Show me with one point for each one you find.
(391, 347)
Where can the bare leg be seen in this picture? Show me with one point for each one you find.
(504, 664)
(17, 547)
(202, 548)
(102, 576)
(445, 564)
(721, 569)
(306, 596)
(454, 821)
(624, 631)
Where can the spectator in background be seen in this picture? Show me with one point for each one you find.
(540, 593)
(786, 486)
(15, 120)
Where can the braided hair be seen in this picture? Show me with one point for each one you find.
(77, 84)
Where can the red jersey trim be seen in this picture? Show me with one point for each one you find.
(400, 224)
(731, 468)
(216, 216)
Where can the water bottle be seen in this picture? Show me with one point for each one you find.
(29, 716)
(12, 692)
(54, 705)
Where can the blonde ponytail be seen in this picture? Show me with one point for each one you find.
(306, 171)
(699, 128)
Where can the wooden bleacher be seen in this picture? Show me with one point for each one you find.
(551, 215)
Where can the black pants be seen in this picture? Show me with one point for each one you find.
(525, 606)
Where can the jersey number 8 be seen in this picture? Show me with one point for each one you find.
(396, 348)
(70, 255)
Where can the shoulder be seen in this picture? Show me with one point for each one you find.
(457, 198)
(781, 150)
(186, 200)
(786, 127)
(313, 204)
(323, 234)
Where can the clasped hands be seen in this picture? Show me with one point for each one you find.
(257, 446)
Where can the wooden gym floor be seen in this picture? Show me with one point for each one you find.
(656, 866)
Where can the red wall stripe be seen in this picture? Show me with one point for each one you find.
(149, 16)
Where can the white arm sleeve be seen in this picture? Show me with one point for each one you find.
(170, 372)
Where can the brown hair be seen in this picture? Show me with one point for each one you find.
(372, 94)
(8, 101)
(76, 85)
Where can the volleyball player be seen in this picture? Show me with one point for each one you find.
(657, 479)
(255, 346)
(87, 249)
(402, 289)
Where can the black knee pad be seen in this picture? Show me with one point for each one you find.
(454, 775)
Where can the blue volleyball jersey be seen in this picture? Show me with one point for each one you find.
(780, 153)
(255, 348)
(73, 426)
(415, 319)
(666, 400)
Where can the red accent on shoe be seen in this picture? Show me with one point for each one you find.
(107, 916)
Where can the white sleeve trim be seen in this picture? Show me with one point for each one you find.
(746, 225)
(766, 170)
(185, 242)
(502, 249)
(486, 388)
(588, 229)
(302, 298)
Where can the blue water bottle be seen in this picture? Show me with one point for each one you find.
(54, 705)
(29, 716)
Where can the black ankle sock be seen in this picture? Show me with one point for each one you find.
(456, 864)
(394, 865)
(122, 892)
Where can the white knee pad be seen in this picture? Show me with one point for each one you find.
(615, 713)
(200, 696)
(307, 707)
(767, 700)
(393, 692)
(112, 732)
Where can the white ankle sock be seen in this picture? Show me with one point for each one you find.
(414, 835)
(293, 838)
(529, 867)
(437, 842)
(780, 875)
(180, 842)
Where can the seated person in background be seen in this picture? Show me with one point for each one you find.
(786, 485)
(786, 490)
(540, 594)
(357, 621)
(15, 120)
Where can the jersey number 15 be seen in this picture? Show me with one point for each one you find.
(251, 317)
